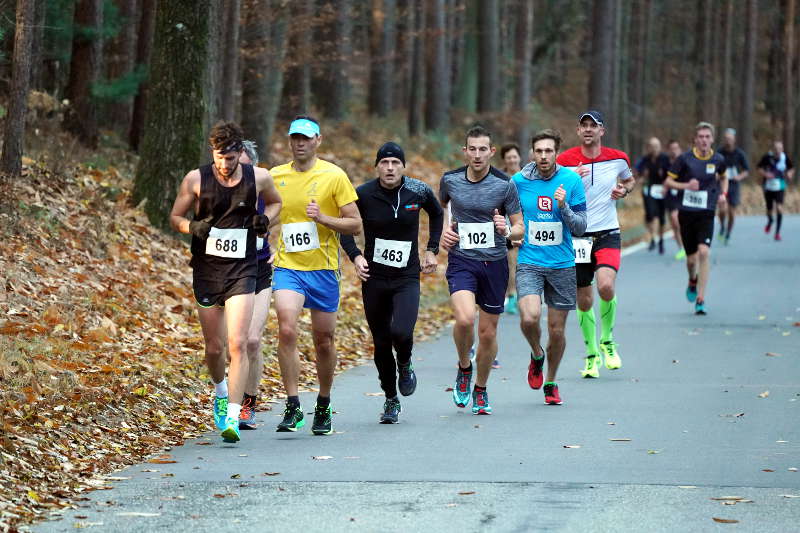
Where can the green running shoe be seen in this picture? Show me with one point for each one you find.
(592, 369)
(609, 351)
(391, 411)
(231, 431)
(292, 419)
(680, 255)
(323, 421)
(220, 412)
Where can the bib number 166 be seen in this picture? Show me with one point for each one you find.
(299, 239)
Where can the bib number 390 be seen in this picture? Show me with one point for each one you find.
(696, 199)
(300, 236)
(230, 243)
(475, 235)
(391, 253)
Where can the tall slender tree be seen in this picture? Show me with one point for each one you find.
(436, 111)
(727, 65)
(230, 60)
(466, 97)
(144, 47)
(416, 106)
(600, 80)
(37, 45)
(382, 46)
(120, 57)
(789, 110)
(523, 52)
(488, 56)
(749, 92)
(340, 63)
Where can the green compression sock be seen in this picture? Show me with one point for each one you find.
(608, 315)
(588, 328)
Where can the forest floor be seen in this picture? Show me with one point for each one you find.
(100, 350)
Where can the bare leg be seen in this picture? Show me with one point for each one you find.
(676, 227)
(703, 254)
(212, 322)
(254, 353)
(487, 346)
(323, 327)
(530, 312)
(464, 329)
(288, 305)
(556, 341)
(238, 315)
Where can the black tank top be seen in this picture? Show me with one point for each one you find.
(229, 207)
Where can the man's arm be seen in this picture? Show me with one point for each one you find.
(347, 223)
(184, 202)
(350, 247)
(517, 226)
(270, 195)
(435, 222)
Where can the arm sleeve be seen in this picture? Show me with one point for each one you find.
(349, 246)
(436, 216)
(574, 212)
(789, 165)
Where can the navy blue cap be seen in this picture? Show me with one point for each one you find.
(593, 114)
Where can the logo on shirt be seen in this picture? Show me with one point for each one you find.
(242, 204)
(545, 203)
(412, 207)
(313, 190)
(283, 183)
(711, 168)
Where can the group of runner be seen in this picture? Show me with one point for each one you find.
(559, 210)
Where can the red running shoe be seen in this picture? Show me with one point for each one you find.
(551, 396)
(535, 376)
(777, 236)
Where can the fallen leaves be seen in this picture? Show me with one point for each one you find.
(764, 394)
(621, 439)
(271, 474)
(725, 520)
(773, 354)
(572, 446)
(466, 493)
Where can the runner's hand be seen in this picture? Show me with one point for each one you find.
(620, 191)
(429, 263)
(271, 258)
(449, 237)
(362, 268)
(260, 224)
(722, 201)
(582, 171)
(499, 222)
(312, 211)
(560, 195)
(200, 228)
(694, 185)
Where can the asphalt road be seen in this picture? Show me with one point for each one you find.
(688, 398)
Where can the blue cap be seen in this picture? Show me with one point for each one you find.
(593, 114)
(303, 126)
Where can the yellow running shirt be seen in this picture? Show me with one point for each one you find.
(304, 244)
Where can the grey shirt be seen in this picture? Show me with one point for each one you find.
(476, 202)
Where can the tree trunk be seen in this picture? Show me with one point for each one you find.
(37, 46)
(144, 47)
(488, 56)
(523, 51)
(382, 45)
(81, 116)
(404, 58)
(417, 96)
(466, 97)
(457, 43)
(14, 132)
(436, 112)
(340, 63)
(230, 61)
(296, 95)
(703, 74)
(749, 93)
(213, 83)
(727, 66)
(262, 82)
(602, 55)
(788, 94)
(173, 141)
(120, 60)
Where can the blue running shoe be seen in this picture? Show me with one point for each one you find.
(231, 431)
(700, 308)
(691, 292)
(461, 388)
(407, 379)
(220, 412)
(480, 403)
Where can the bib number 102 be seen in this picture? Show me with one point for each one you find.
(476, 238)
(225, 245)
(299, 239)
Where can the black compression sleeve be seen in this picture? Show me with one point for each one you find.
(436, 215)
(349, 246)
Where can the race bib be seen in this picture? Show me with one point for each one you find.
(711, 168)
(231, 243)
(673, 192)
(300, 236)
(583, 250)
(657, 192)
(696, 199)
(545, 233)
(391, 253)
(731, 173)
(475, 235)
(773, 184)
(259, 243)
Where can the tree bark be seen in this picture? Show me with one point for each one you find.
(230, 60)
(417, 96)
(144, 47)
(727, 66)
(213, 83)
(523, 51)
(14, 132)
(404, 58)
(600, 80)
(788, 94)
(488, 56)
(173, 139)
(466, 97)
(81, 116)
(296, 94)
(37, 45)
(436, 109)
(457, 43)
(382, 46)
(749, 93)
(340, 63)
(120, 61)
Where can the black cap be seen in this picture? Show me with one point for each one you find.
(593, 114)
(390, 149)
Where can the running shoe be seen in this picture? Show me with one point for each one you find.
(461, 388)
(768, 227)
(511, 306)
(592, 369)
(609, 351)
(480, 403)
(323, 421)
(681, 255)
(661, 247)
(495, 364)
(407, 380)
(220, 412)
(391, 410)
(231, 431)
(722, 230)
(535, 376)
(551, 396)
(247, 417)
(292, 419)
(651, 246)
(691, 292)
(699, 308)
(777, 236)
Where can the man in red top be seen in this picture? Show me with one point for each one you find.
(607, 177)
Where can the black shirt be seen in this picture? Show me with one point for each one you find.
(393, 214)
(735, 161)
(655, 168)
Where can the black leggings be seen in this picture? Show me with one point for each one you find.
(391, 307)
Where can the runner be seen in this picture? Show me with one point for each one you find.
(247, 418)
(319, 204)
(223, 196)
(775, 168)
(389, 207)
(700, 175)
(672, 201)
(480, 197)
(737, 169)
(651, 170)
(546, 257)
(607, 177)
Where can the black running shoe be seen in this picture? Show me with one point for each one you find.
(292, 419)
(323, 421)
(391, 410)
(407, 381)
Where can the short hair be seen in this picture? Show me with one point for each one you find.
(673, 141)
(705, 126)
(478, 131)
(507, 148)
(249, 148)
(226, 137)
(547, 134)
(306, 117)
